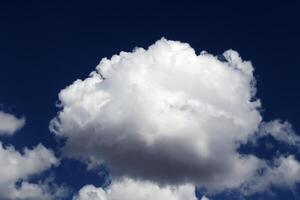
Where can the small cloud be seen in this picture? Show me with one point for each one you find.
(9, 124)
(281, 131)
(16, 167)
(204, 198)
(129, 189)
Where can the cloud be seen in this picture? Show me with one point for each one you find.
(128, 189)
(166, 115)
(42, 190)
(281, 131)
(9, 124)
(284, 173)
(204, 198)
(18, 167)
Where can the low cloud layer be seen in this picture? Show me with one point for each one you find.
(167, 115)
(128, 189)
(9, 124)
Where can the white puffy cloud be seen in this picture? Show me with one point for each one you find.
(204, 198)
(15, 165)
(128, 189)
(281, 131)
(284, 173)
(166, 115)
(18, 167)
(9, 124)
(34, 191)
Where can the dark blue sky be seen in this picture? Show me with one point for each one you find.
(46, 45)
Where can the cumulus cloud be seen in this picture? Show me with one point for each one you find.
(284, 173)
(9, 124)
(43, 190)
(204, 198)
(128, 189)
(166, 115)
(281, 131)
(16, 167)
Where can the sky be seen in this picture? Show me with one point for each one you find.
(149, 100)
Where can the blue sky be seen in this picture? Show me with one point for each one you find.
(46, 46)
